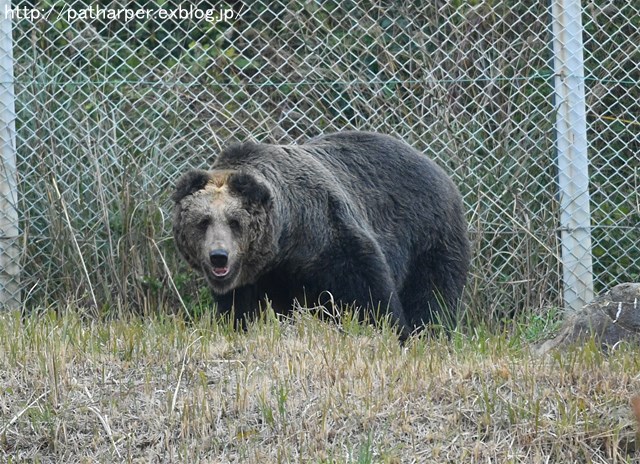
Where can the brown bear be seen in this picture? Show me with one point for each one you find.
(359, 216)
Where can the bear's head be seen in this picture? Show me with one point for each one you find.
(222, 227)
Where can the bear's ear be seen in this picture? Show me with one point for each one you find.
(190, 182)
(249, 188)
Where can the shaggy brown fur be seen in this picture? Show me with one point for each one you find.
(360, 215)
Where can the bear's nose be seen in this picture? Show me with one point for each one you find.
(218, 257)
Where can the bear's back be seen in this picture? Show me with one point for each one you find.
(385, 177)
(372, 164)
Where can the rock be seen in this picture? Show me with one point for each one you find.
(611, 318)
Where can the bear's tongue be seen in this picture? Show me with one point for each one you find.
(220, 271)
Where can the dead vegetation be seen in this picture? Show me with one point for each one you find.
(162, 390)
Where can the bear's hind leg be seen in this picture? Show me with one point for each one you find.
(431, 292)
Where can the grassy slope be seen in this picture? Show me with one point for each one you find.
(162, 390)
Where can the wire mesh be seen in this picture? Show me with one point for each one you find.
(111, 108)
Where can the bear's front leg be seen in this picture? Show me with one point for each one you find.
(369, 289)
(241, 304)
(357, 273)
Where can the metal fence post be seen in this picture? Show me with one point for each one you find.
(9, 246)
(571, 145)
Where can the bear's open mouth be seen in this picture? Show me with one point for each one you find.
(220, 271)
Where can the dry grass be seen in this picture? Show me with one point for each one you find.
(159, 389)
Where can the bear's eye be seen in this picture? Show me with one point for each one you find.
(204, 223)
(235, 225)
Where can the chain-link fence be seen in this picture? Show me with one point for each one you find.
(114, 101)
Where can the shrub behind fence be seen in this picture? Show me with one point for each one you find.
(109, 112)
